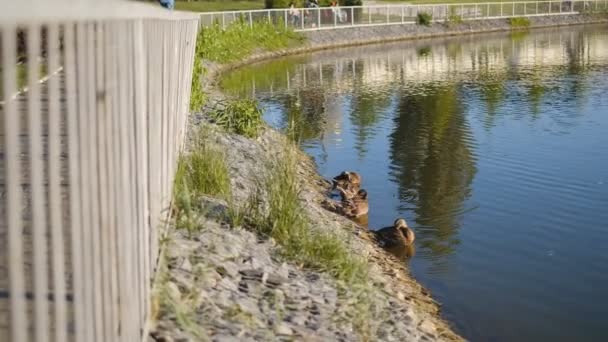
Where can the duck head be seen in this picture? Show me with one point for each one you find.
(408, 233)
(362, 195)
(346, 178)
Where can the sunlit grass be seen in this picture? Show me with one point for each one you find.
(288, 224)
(241, 116)
(218, 5)
(239, 40)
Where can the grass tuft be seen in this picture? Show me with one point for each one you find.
(424, 19)
(201, 171)
(241, 116)
(287, 223)
(454, 19)
(519, 22)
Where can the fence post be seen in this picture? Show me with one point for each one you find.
(560, 7)
(488, 10)
(525, 8)
(402, 14)
(335, 12)
(501, 9)
(223, 22)
(387, 17)
(476, 10)
(285, 16)
(269, 19)
(302, 19)
(352, 16)
(251, 21)
(318, 17)
(369, 15)
(513, 14)
(537, 8)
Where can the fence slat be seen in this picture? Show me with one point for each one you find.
(56, 203)
(18, 317)
(37, 193)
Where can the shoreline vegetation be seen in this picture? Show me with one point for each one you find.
(275, 204)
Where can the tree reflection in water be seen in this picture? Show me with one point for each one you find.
(433, 164)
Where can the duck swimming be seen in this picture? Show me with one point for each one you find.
(399, 233)
(397, 240)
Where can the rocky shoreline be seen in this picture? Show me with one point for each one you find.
(226, 283)
(234, 286)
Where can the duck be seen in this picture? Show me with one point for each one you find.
(397, 240)
(355, 207)
(399, 234)
(348, 183)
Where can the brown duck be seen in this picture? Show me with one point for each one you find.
(352, 208)
(397, 240)
(348, 184)
(399, 233)
(356, 206)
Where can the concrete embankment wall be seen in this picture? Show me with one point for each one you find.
(352, 36)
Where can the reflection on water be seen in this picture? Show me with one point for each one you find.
(432, 163)
(491, 145)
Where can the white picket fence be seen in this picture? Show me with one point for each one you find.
(306, 19)
(94, 97)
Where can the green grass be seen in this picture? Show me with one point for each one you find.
(198, 96)
(286, 221)
(519, 22)
(239, 40)
(201, 171)
(424, 19)
(218, 5)
(288, 224)
(240, 116)
(454, 19)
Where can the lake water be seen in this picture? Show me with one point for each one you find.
(494, 148)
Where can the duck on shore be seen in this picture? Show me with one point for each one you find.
(354, 207)
(398, 239)
(348, 183)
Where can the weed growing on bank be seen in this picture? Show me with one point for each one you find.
(242, 116)
(424, 19)
(200, 171)
(239, 40)
(286, 221)
(197, 95)
(519, 22)
(454, 19)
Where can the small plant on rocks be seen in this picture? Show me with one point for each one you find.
(454, 19)
(424, 19)
(519, 22)
(241, 116)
